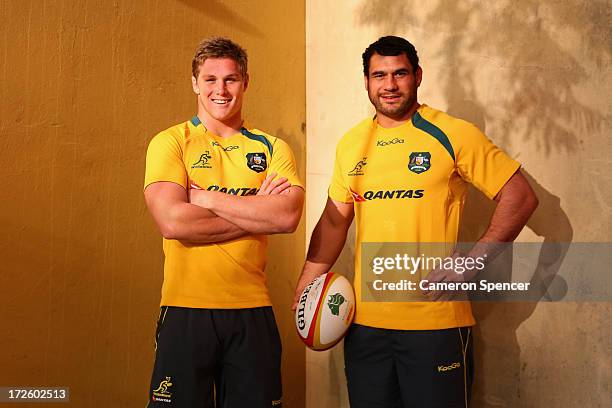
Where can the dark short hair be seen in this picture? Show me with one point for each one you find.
(390, 46)
(219, 47)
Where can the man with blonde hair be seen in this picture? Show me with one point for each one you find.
(215, 188)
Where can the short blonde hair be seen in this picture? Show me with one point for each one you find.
(219, 47)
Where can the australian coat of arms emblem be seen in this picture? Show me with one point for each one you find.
(256, 162)
(419, 162)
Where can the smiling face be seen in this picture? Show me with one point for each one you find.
(220, 87)
(392, 87)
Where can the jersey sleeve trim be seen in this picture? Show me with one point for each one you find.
(335, 197)
(421, 123)
(258, 138)
(178, 183)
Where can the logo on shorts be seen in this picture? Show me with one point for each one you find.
(256, 162)
(277, 403)
(449, 367)
(161, 393)
(419, 162)
(202, 163)
(334, 303)
(358, 169)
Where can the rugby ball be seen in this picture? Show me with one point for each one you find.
(325, 311)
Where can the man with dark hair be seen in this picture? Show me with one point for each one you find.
(390, 47)
(411, 187)
(216, 188)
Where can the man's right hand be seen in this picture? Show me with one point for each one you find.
(270, 186)
(305, 279)
(326, 243)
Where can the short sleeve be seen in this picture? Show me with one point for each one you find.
(483, 164)
(283, 163)
(165, 161)
(339, 187)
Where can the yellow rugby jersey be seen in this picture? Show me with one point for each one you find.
(408, 184)
(226, 275)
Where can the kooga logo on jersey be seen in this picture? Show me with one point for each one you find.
(387, 194)
(393, 141)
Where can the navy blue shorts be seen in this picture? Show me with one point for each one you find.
(408, 368)
(224, 358)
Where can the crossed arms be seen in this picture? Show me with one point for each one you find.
(200, 217)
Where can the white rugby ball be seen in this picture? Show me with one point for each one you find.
(325, 311)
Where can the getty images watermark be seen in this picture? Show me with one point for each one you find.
(392, 272)
(457, 265)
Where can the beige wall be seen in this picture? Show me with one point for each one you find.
(536, 77)
(83, 88)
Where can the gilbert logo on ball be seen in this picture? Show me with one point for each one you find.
(325, 311)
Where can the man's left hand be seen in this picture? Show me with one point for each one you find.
(450, 275)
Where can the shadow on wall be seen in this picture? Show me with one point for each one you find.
(536, 77)
(538, 74)
(498, 353)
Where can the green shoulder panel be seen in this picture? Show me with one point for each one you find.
(195, 121)
(421, 123)
(258, 138)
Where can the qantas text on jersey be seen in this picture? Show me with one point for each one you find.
(387, 194)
